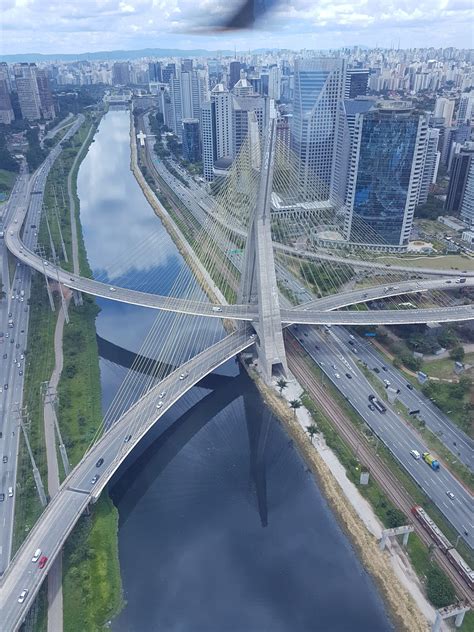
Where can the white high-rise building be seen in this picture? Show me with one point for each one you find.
(186, 96)
(222, 99)
(444, 108)
(431, 164)
(28, 93)
(319, 85)
(466, 108)
(274, 83)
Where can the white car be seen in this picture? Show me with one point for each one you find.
(386, 382)
(46, 263)
(337, 375)
(415, 454)
(183, 376)
(162, 394)
(450, 495)
(217, 309)
(112, 289)
(159, 405)
(22, 596)
(36, 556)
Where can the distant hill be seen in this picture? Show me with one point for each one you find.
(116, 55)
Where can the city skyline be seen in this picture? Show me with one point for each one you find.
(39, 27)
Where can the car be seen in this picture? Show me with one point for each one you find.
(183, 376)
(376, 369)
(10, 492)
(5, 356)
(23, 595)
(127, 438)
(42, 562)
(22, 357)
(99, 462)
(10, 315)
(334, 366)
(18, 364)
(162, 394)
(95, 478)
(159, 405)
(349, 376)
(372, 407)
(351, 342)
(5, 386)
(46, 263)
(2, 497)
(217, 309)
(5, 459)
(112, 289)
(384, 368)
(386, 382)
(7, 335)
(448, 281)
(20, 372)
(409, 386)
(36, 556)
(415, 454)
(450, 495)
(337, 375)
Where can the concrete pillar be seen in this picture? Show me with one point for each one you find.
(77, 296)
(437, 623)
(405, 539)
(383, 542)
(459, 619)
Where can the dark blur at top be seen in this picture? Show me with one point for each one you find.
(240, 15)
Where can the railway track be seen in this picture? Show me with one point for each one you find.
(357, 442)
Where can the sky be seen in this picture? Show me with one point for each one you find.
(77, 26)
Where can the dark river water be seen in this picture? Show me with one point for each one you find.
(222, 528)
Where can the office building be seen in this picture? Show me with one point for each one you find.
(461, 167)
(121, 73)
(208, 136)
(430, 166)
(319, 85)
(234, 73)
(154, 72)
(186, 96)
(241, 106)
(466, 108)
(187, 65)
(274, 83)
(191, 140)
(167, 72)
(347, 111)
(356, 82)
(243, 88)
(6, 110)
(467, 206)
(444, 108)
(27, 89)
(386, 167)
(46, 98)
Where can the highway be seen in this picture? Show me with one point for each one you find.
(78, 489)
(14, 343)
(451, 435)
(331, 354)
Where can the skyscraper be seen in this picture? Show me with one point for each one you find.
(461, 166)
(444, 108)
(191, 140)
(121, 73)
(387, 159)
(6, 110)
(430, 164)
(46, 97)
(28, 93)
(467, 206)
(208, 135)
(234, 73)
(241, 106)
(186, 94)
(466, 108)
(356, 82)
(154, 71)
(319, 85)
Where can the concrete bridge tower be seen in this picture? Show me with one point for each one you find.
(258, 283)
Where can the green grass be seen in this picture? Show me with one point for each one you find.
(444, 368)
(7, 180)
(438, 262)
(39, 364)
(91, 582)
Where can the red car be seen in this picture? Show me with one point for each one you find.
(42, 562)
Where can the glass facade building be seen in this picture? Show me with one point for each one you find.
(191, 140)
(387, 165)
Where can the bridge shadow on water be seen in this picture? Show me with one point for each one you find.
(161, 445)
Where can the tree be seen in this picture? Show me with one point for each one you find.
(312, 430)
(295, 404)
(457, 353)
(282, 384)
(439, 589)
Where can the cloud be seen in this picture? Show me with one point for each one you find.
(69, 26)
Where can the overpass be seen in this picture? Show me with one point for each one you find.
(77, 491)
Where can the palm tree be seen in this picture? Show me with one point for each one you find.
(282, 383)
(295, 404)
(312, 430)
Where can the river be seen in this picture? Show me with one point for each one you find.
(222, 528)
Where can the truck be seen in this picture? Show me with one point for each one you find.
(431, 461)
(377, 404)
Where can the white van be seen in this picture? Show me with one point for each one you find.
(10, 492)
(415, 454)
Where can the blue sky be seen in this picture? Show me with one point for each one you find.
(69, 26)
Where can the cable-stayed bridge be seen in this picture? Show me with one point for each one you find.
(260, 323)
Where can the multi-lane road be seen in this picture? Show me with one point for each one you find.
(330, 351)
